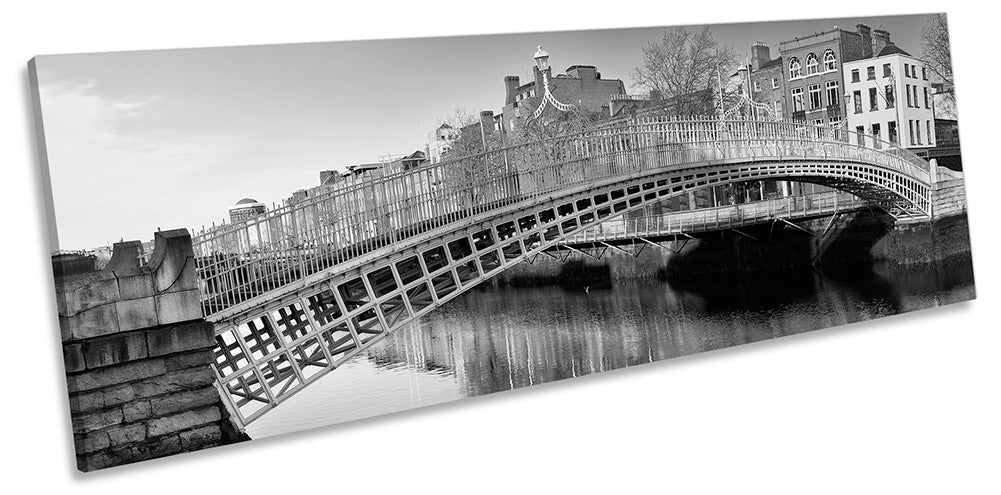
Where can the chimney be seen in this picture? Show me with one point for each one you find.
(511, 84)
(880, 39)
(759, 55)
(864, 30)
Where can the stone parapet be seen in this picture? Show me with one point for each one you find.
(138, 356)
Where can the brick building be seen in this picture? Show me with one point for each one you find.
(768, 86)
(581, 85)
(812, 72)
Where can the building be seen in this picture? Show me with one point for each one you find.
(890, 97)
(580, 85)
(245, 209)
(768, 86)
(813, 76)
(440, 141)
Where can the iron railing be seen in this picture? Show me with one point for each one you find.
(277, 251)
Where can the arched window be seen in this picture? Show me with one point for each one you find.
(795, 70)
(829, 60)
(811, 64)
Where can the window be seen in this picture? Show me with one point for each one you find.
(927, 104)
(908, 88)
(873, 103)
(795, 70)
(910, 125)
(811, 64)
(819, 125)
(531, 93)
(870, 73)
(855, 75)
(860, 135)
(886, 70)
(875, 136)
(775, 83)
(797, 100)
(924, 73)
(857, 96)
(928, 128)
(917, 129)
(756, 86)
(891, 131)
(832, 92)
(815, 101)
(778, 109)
(907, 70)
(914, 71)
(888, 94)
(829, 60)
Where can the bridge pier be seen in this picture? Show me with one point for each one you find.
(138, 355)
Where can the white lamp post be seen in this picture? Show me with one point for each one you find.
(542, 62)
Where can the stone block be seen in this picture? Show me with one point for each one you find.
(91, 442)
(152, 449)
(93, 322)
(180, 337)
(89, 292)
(137, 286)
(116, 349)
(89, 422)
(136, 411)
(200, 437)
(126, 434)
(172, 261)
(134, 314)
(181, 401)
(115, 375)
(175, 381)
(183, 421)
(87, 401)
(190, 360)
(97, 461)
(174, 307)
(118, 395)
(73, 358)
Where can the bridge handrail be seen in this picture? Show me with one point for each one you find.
(298, 239)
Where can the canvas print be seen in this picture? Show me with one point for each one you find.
(250, 241)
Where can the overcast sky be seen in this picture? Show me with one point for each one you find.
(166, 139)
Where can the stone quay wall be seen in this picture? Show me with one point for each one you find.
(137, 355)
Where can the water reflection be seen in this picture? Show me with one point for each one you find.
(495, 339)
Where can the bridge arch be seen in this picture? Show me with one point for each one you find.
(501, 208)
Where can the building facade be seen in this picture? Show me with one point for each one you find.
(891, 99)
(812, 70)
(245, 209)
(580, 85)
(768, 86)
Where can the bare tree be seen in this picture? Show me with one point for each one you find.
(686, 67)
(938, 56)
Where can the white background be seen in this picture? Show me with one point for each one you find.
(909, 404)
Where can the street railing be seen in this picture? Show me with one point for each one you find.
(277, 250)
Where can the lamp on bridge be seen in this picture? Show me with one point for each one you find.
(542, 60)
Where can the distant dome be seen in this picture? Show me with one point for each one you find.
(246, 201)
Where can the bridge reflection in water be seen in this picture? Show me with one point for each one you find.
(496, 339)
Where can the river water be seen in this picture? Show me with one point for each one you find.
(500, 338)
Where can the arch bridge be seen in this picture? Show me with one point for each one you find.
(298, 291)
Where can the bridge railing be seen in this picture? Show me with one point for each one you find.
(277, 250)
(721, 217)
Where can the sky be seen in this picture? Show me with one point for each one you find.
(147, 140)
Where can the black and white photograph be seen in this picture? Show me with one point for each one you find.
(256, 240)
